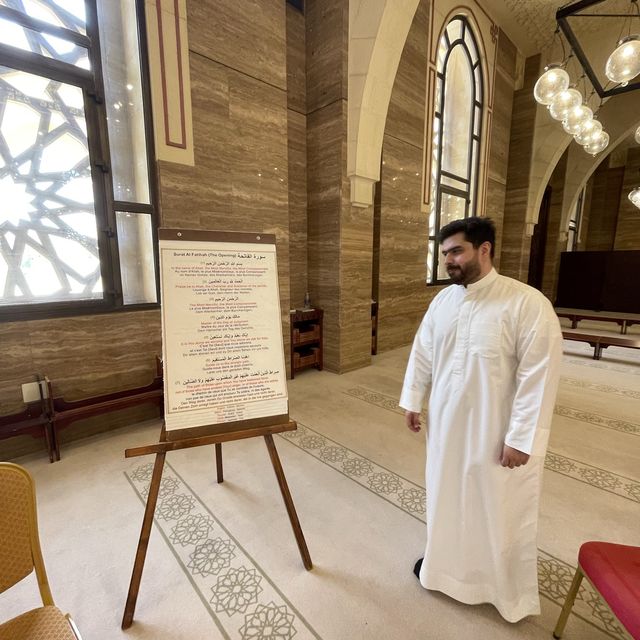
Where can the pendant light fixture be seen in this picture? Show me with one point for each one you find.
(563, 102)
(576, 118)
(624, 63)
(553, 81)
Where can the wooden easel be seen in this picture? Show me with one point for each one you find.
(197, 437)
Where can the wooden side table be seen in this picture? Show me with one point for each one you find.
(306, 339)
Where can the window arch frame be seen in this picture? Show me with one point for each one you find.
(472, 178)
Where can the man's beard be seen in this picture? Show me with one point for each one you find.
(464, 275)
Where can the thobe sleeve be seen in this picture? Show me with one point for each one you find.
(539, 355)
(417, 378)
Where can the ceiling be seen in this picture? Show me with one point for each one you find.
(530, 24)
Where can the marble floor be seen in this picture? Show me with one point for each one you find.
(222, 560)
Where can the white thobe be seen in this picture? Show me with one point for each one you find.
(490, 354)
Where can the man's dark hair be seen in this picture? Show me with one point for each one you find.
(476, 231)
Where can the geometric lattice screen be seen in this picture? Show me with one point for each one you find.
(48, 235)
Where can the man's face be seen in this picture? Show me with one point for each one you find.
(461, 259)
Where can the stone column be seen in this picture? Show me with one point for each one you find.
(516, 244)
(340, 236)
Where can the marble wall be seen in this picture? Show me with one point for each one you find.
(82, 356)
(628, 227)
(504, 85)
(600, 232)
(402, 292)
(516, 245)
(339, 235)
(238, 65)
(297, 154)
(556, 241)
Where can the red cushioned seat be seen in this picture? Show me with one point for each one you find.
(614, 570)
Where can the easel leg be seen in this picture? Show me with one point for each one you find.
(141, 553)
(219, 462)
(291, 510)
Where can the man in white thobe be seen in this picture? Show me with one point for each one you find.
(489, 350)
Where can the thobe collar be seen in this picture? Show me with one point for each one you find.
(487, 281)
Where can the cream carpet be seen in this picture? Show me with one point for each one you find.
(222, 560)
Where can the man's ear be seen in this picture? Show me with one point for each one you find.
(485, 247)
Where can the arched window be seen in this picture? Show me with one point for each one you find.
(457, 130)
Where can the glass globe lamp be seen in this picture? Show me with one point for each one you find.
(553, 81)
(634, 196)
(564, 102)
(589, 132)
(576, 118)
(624, 63)
(598, 144)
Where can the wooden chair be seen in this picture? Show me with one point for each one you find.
(20, 554)
(614, 572)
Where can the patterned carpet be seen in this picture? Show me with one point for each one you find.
(222, 562)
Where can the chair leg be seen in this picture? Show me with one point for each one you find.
(48, 436)
(568, 603)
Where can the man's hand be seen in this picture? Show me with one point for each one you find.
(512, 457)
(413, 420)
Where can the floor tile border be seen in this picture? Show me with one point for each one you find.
(631, 369)
(597, 420)
(621, 486)
(554, 575)
(216, 564)
(603, 388)
(384, 483)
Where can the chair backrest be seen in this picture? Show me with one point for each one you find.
(20, 550)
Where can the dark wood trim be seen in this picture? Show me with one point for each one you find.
(199, 235)
(24, 20)
(36, 64)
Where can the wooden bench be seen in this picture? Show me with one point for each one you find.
(600, 342)
(624, 320)
(33, 420)
(63, 413)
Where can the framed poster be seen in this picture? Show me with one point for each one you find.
(221, 328)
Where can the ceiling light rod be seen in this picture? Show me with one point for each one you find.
(572, 11)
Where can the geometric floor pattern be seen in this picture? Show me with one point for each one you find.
(554, 575)
(242, 600)
(624, 426)
(621, 486)
(240, 597)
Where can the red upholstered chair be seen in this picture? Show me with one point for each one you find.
(614, 572)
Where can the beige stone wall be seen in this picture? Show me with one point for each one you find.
(82, 356)
(504, 84)
(628, 224)
(240, 124)
(402, 292)
(339, 235)
(556, 242)
(600, 233)
(516, 245)
(297, 154)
